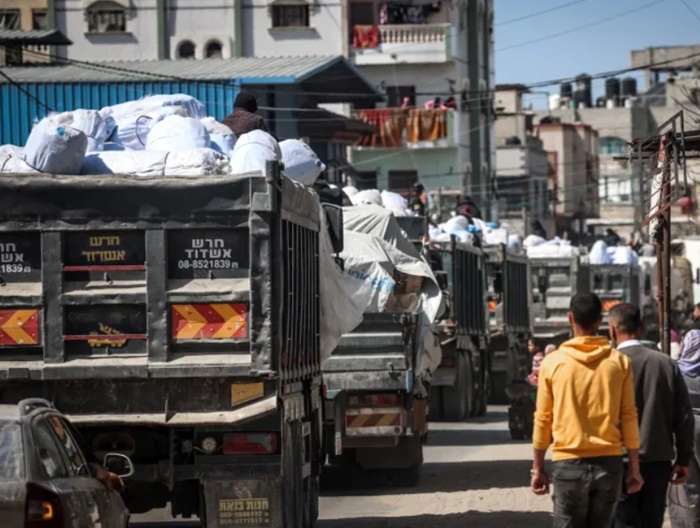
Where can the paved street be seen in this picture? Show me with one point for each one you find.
(473, 474)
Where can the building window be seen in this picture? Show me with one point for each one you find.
(106, 17)
(290, 16)
(402, 181)
(40, 19)
(396, 94)
(612, 146)
(365, 180)
(186, 50)
(214, 50)
(9, 19)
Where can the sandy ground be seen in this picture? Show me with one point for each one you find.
(474, 475)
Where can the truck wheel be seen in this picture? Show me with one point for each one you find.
(293, 486)
(408, 477)
(457, 401)
(501, 380)
(483, 396)
(517, 434)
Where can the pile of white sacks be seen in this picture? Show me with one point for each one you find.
(154, 136)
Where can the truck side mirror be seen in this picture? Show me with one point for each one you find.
(334, 215)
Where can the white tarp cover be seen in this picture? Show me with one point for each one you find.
(377, 221)
(343, 298)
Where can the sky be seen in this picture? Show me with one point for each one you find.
(613, 29)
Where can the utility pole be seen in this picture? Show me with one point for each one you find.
(661, 159)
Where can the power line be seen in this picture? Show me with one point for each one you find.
(538, 13)
(25, 92)
(692, 11)
(579, 28)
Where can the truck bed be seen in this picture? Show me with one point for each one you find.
(128, 278)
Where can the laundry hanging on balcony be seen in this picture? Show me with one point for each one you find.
(365, 37)
(391, 124)
(426, 125)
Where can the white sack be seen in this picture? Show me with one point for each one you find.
(496, 236)
(301, 163)
(599, 253)
(55, 147)
(368, 197)
(551, 251)
(132, 130)
(456, 223)
(532, 241)
(252, 152)
(14, 165)
(11, 150)
(515, 244)
(350, 191)
(195, 162)
(222, 137)
(135, 162)
(191, 107)
(624, 255)
(392, 200)
(177, 133)
(96, 127)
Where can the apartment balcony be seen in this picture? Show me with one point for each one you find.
(412, 128)
(378, 45)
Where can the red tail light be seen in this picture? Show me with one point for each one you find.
(250, 444)
(43, 508)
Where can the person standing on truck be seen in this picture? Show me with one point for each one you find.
(244, 117)
(665, 421)
(585, 401)
(417, 204)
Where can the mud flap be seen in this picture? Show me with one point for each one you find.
(249, 503)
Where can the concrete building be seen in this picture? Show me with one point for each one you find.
(413, 51)
(149, 29)
(573, 156)
(25, 15)
(522, 165)
(625, 113)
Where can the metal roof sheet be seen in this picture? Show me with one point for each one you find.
(34, 37)
(275, 70)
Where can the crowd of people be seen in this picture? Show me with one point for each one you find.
(623, 422)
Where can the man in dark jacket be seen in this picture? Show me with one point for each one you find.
(244, 118)
(666, 422)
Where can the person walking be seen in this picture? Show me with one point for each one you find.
(684, 500)
(417, 203)
(665, 422)
(585, 401)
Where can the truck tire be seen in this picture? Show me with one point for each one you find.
(457, 401)
(313, 502)
(482, 398)
(410, 476)
(293, 500)
(501, 380)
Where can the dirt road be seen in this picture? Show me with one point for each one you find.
(474, 475)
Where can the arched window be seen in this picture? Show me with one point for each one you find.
(185, 50)
(213, 50)
(106, 17)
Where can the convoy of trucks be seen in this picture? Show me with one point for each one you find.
(178, 321)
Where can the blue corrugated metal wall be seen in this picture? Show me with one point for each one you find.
(18, 111)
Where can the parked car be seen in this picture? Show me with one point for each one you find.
(47, 480)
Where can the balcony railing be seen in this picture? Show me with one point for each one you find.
(413, 128)
(404, 43)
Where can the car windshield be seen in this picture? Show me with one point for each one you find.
(11, 452)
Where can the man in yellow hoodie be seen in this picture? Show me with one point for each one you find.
(585, 401)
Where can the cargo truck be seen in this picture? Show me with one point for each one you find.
(555, 280)
(460, 384)
(510, 324)
(373, 418)
(176, 321)
(615, 284)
